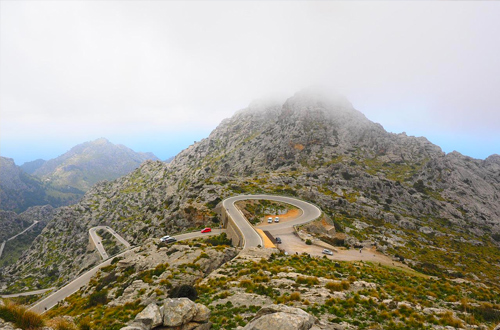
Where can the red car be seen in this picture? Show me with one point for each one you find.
(206, 230)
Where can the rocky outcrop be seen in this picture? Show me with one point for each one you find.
(179, 314)
(281, 317)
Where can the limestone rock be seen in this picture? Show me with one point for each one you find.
(202, 313)
(135, 326)
(150, 316)
(178, 312)
(281, 317)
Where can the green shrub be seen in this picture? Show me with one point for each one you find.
(184, 291)
(308, 241)
(307, 280)
(98, 298)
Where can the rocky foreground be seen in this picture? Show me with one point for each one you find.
(328, 293)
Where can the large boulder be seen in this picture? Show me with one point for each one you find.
(281, 317)
(135, 326)
(202, 313)
(177, 312)
(497, 327)
(150, 316)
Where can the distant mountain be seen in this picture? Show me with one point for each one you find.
(87, 163)
(19, 190)
(64, 180)
(31, 167)
(400, 193)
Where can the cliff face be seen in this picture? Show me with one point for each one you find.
(315, 147)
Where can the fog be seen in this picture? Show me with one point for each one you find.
(158, 75)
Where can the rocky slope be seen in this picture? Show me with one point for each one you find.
(12, 224)
(438, 211)
(297, 292)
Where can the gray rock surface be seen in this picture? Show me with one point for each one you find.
(281, 317)
(178, 312)
(150, 316)
(202, 313)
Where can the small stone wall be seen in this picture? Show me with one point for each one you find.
(232, 231)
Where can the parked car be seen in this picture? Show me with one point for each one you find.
(164, 238)
(269, 220)
(206, 230)
(170, 240)
(326, 251)
(277, 219)
(278, 240)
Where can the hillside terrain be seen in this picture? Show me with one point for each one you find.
(17, 232)
(437, 212)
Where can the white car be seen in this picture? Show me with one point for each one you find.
(326, 251)
(269, 220)
(164, 238)
(277, 219)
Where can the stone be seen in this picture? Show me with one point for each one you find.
(497, 327)
(204, 326)
(178, 311)
(202, 313)
(135, 326)
(426, 230)
(150, 316)
(281, 317)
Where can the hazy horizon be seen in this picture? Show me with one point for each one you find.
(157, 76)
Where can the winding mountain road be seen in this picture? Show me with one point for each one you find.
(98, 241)
(70, 288)
(251, 237)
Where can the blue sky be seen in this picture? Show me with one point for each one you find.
(158, 75)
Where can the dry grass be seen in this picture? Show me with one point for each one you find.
(60, 323)
(21, 317)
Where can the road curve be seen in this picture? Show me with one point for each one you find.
(70, 288)
(251, 237)
(98, 242)
(28, 293)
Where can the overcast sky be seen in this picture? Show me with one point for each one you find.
(158, 75)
